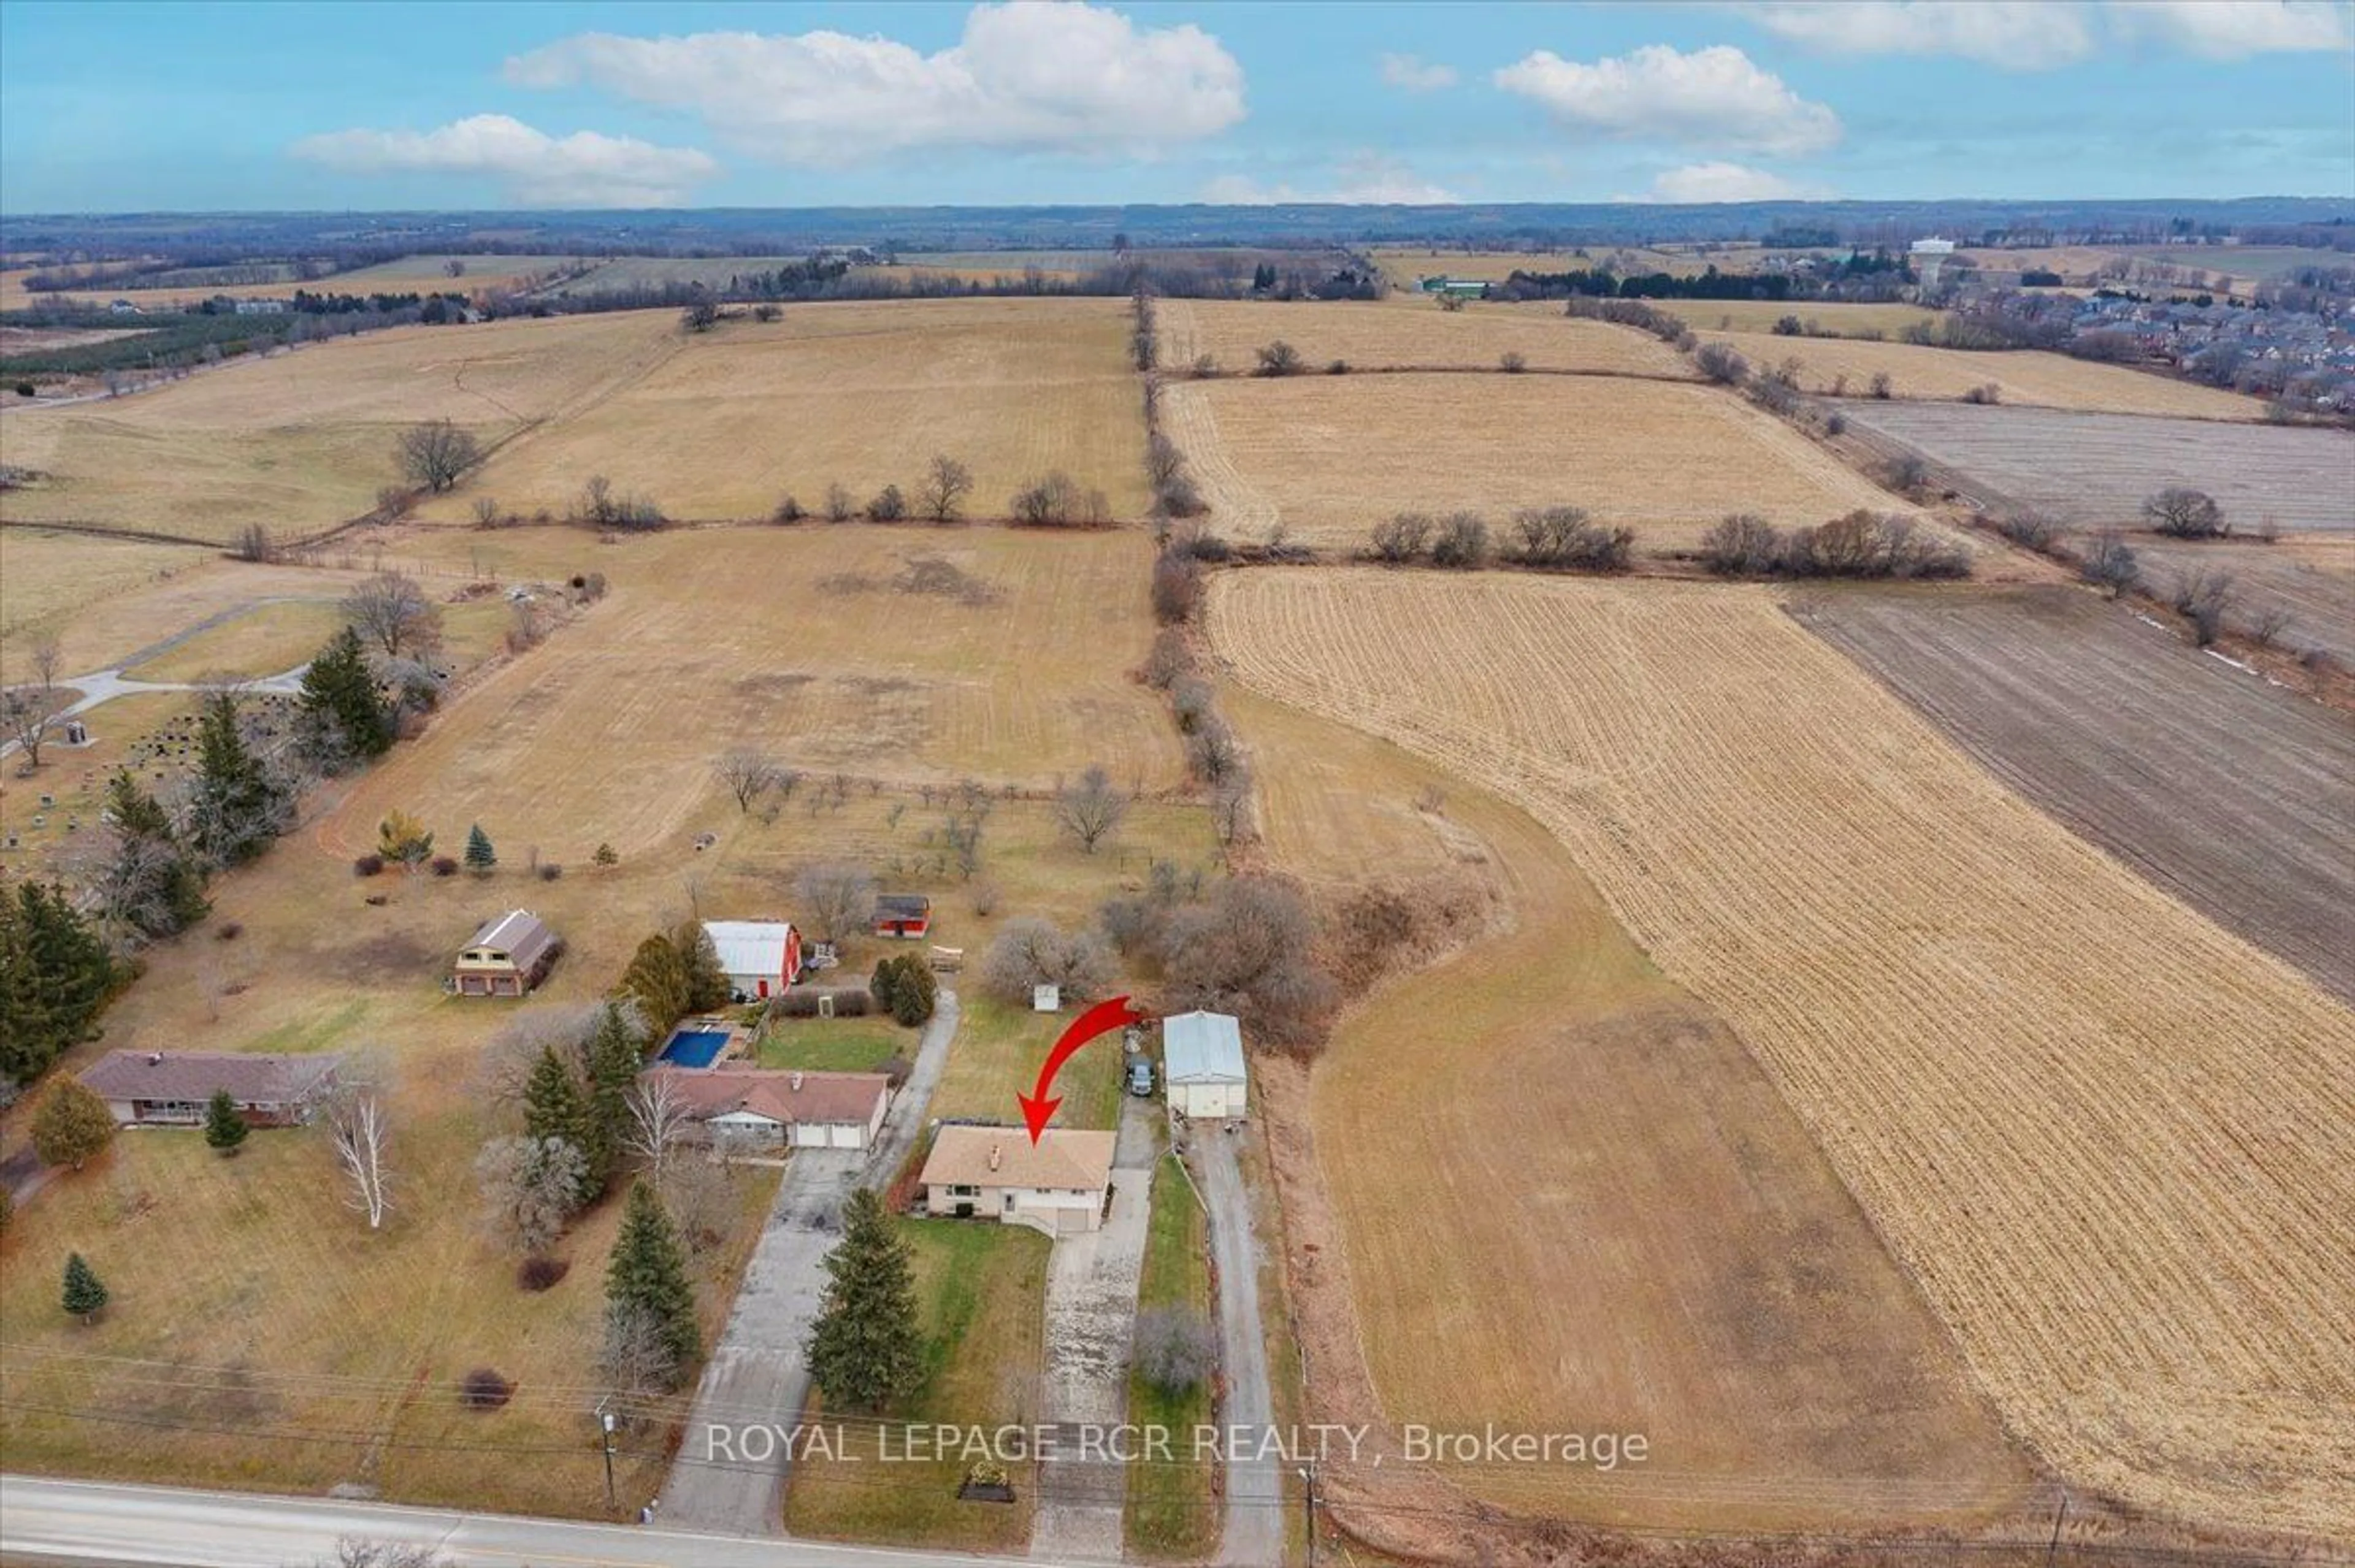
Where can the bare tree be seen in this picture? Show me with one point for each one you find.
(1280, 358)
(1163, 460)
(2110, 563)
(659, 1123)
(1029, 953)
(360, 1129)
(1176, 587)
(502, 1070)
(1721, 364)
(946, 483)
(29, 708)
(1249, 949)
(392, 614)
(356, 1551)
(1090, 809)
(749, 774)
(636, 1351)
(1401, 538)
(2203, 597)
(1213, 753)
(2183, 513)
(836, 898)
(530, 1188)
(1175, 1349)
(701, 1199)
(436, 453)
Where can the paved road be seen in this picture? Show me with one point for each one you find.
(106, 685)
(755, 1376)
(82, 1522)
(1254, 1529)
(1092, 1283)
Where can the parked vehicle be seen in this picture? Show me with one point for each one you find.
(1140, 1077)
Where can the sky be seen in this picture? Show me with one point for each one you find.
(114, 105)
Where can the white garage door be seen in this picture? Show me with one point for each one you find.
(846, 1136)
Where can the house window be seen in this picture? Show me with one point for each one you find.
(962, 1191)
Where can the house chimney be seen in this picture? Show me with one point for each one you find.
(993, 1157)
(798, 1083)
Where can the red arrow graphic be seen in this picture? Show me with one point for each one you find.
(1102, 1018)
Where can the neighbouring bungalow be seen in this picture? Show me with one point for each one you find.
(1059, 1185)
(1203, 1064)
(903, 914)
(740, 1107)
(759, 957)
(172, 1088)
(507, 957)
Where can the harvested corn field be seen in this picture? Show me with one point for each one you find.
(1327, 457)
(1405, 332)
(2021, 376)
(2109, 1139)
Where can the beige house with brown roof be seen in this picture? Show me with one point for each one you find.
(1059, 1185)
(756, 1107)
(507, 957)
(170, 1088)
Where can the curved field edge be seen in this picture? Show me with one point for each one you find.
(2108, 1139)
(1542, 1106)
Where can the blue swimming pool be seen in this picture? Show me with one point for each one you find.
(695, 1047)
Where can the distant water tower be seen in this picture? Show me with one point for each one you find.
(1929, 258)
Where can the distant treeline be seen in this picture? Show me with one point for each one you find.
(1602, 283)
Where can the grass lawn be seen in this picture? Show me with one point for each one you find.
(835, 1045)
(995, 1056)
(263, 641)
(982, 1290)
(1173, 1514)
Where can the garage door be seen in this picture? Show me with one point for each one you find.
(844, 1136)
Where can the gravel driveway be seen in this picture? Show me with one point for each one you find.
(1254, 1528)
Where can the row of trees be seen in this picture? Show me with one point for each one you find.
(1560, 538)
(939, 497)
(1859, 544)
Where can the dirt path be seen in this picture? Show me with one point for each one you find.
(756, 1375)
(1254, 1489)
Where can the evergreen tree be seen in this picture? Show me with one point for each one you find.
(343, 715)
(480, 856)
(707, 982)
(867, 1349)
(55, 975)
(646, 1283)
(152, 885)
(236, 807)
(225, 1127)
(84, 1296)
(614, 1056)
(657, 977)
(71, 1125)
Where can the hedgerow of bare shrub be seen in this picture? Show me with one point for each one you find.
(1565, 537)
(1859, 544)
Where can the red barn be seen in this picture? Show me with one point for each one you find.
(908, 915)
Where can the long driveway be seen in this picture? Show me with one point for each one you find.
(756, 1375)
(52, 1522)
(1254, 1529)
(1092, 1283)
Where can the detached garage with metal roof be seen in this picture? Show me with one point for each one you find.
(1202, 1060)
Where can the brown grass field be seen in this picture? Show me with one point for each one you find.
(1683, 1260)
(2239, 799)
(754, 637)
(860, 394)
(2025, 375)
(1327, 457)
(302, 440)
(49, 578)
(1832, 317)
(2094, 469)
(267, 639)
(409, 274)
(2112, 1163)
(1417, 333)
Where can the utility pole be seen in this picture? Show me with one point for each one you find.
(1309, 1476)
(2060, 1515)
(605, 1421)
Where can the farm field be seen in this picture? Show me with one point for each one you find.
(267, 639)
(2110, 1163)
(408, 274)
(2094, 469)
(2308, 577)
(1017, 674)
(46, 578)
(1709, 1283)
(655, 272)
(2245, 264)
(2238, 799)
(2077, 264)
(1327, 457)
(1369, 336)
(1832, 317)
(302, 440)
(864, 395)
(2019, 376)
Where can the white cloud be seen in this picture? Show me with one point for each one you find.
(2040, 35)
(584, 169)
(1409, 73)
(1711, 97)
(1028, 75)
(2022, 35)
(1365, 180)
(2234, 29)
(1728, 182)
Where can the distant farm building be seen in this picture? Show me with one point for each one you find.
(1058, 1185)
(759, 957)
(261, 307)
(1460, 288)
(507, 957)
(1929, 258)
(906, 915)
(739, 1108)
(172, 1088)
(1202, 1065)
